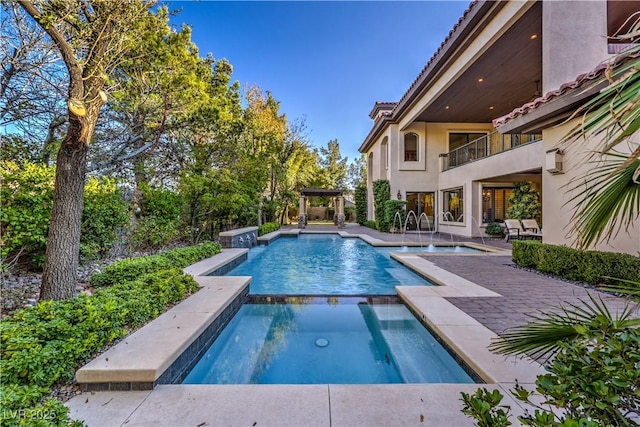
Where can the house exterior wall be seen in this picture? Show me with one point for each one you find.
(556, 206)
(471, 177)
(573, 40)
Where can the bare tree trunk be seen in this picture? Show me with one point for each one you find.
(63, 243)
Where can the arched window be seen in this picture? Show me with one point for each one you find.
(410, 147)
(384, 154)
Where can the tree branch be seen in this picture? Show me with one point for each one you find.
(75, 73)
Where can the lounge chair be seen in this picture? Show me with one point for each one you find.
(514, 229)
(531, 225)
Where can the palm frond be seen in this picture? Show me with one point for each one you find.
(540, 338)
(605, 201)
(623, 286)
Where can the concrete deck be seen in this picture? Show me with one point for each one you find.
(474, 302)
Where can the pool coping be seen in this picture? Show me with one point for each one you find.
(162, 340)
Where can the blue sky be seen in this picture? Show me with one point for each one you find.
(326, 61)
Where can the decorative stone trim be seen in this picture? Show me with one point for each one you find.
(246, 237)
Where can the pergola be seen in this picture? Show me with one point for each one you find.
(311, 192)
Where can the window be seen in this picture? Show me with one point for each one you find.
(457, 140)
(453, 205)
(410, 147)
(495, 203)
(460, 152)
(384, 154)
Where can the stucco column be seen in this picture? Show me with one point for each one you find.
(340, 210)
(302, 212)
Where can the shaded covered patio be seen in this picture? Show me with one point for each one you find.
(307, 193)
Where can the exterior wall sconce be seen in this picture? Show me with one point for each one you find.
(399, 195)
(553, 161)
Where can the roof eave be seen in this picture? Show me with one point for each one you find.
(552, 112)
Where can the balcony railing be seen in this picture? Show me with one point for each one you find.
(486, 146)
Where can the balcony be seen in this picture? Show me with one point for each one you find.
(486, 146)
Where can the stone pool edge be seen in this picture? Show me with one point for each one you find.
(162, 350)
(332, 404)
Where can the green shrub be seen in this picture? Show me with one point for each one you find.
(159, 221)
(494, 229)
(45, 344)
(130, 269)
(525, 252)
(524, 202)
(361, 204)
(573, 264)
(592, 380)
(26, 192)
(371, 224)
(391, 209)
(381, 193)
(267, 228)
(349, 213)
(104, 212)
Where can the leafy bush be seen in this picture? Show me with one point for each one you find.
(524, 202)
(159, 221)
(593, 380)
(391, 209)
(130, 269)
(371, 224)
(267, 228)
(349, 213)
(381, 193)
(586, 266)
(45, 344)
(104, 212)
(494, 229)
(361, 204)
(26, 191)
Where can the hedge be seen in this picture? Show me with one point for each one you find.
(393, 209)
(268, 227)
(129, 269)
(573, 264)
(381, 193)
(361, 204)
(45, 344)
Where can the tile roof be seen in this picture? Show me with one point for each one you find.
(437, 52)
(580, 81)
(388, 115)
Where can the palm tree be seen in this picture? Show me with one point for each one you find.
(611, 198)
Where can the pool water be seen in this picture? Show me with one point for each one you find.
(324, 264)
(326, 341)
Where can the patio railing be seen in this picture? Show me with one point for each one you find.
(486, 146)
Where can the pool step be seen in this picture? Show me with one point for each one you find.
(414, 350)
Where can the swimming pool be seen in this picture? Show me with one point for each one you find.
(324, 264)
(331, 340)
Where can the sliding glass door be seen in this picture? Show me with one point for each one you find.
(422, 204)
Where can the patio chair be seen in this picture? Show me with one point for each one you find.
(531, 225)
(514, 229)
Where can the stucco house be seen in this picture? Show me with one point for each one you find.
(488, 110)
